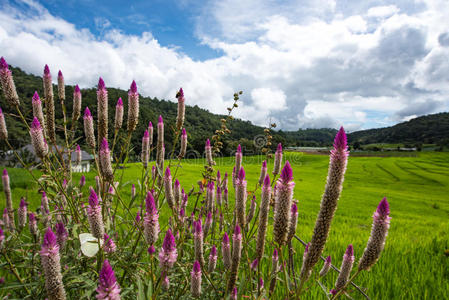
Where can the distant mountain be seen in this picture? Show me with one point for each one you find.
(430, 129)
(201, 124)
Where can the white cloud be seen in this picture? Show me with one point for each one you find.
(303, 64)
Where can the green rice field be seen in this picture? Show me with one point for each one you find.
(415, 262)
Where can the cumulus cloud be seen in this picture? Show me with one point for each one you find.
(302, 64)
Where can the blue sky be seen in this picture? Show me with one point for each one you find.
(300, 63)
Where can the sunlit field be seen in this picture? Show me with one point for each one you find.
(414, 264)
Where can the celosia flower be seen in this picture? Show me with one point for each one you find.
(198, 241)
(2, 238)
(22, 212)
(252, 210)
(76, 103)
(226, 251)
(118, 114)
(109, 245)
(102, 110)
(379, 232)
(138, 218)
(8, 87)
(82, 181)
(293, 222)
(337, 168)
(183, 150)
(150, 131)
(37, 139)
(234, 293)
(61, 234)
(105, 161)
(207, 224)
(283, 203)
(274, 269)
(226, 197)
(240, 198)
(277, 160)
(195, 286)
(177, 193)
(345, 270)
(89, 128)
(254, 264)
(210, 196)
(263, 217)
(6, 218)
(263, 172)
(61, 86)
(94, 216)
(33, 225)
(49, 104)
(37, 108)
(108, 287)
(168, 188)
(133, 107)
(166, 283)
(151, 220)
(306, 250)
(51, 266)
(219, 195)
(133, 191)
(3, 129)
(212, 259)
(151, 250)
(236, 256)
(181, 109)
(168, 253)
(208, 151)
(326, 267)
(7, 190)
(145, 156)
(78, 154)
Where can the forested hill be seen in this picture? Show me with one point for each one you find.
(201, 124)
(430, 129)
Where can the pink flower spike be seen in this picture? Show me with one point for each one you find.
(108, 288)
(341, 141)
(93, 198)
(266, 181)
(77, 89)
(133, 88)
(207, 143)
(279, 148)
(87, 113)
(36, 97)
(35, 124)
(254, 264)
(150, 125)
(3, 64)
(384, 208)
(287, 172)
(101, 85)
(241, 174)
(60, 74)
(46, 70)
(119, 102)
(239, 149)
(160, 121)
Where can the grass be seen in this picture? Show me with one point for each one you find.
(413, 264)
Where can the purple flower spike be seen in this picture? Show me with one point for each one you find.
(77, 89)
(93, 198)
(133, 87)
(151, 250)
(87, 113)
(36, 97)
(60, 74)
(349, 251)
(239, 148)
(279, 148)
(3, 64)
(237, 230)
(254, 264)
(184, 133)
(46, 70)
(241, 174)
(119, 102)
(160, 121)
(101, 85)
(36, 124)
(294, 208)
(341, 141)
(167, 172)
(168, 253)
(287, 172)
(384, 208)
(326, 267)
(109, 245)
(108, 288)
(195, 284)
(207, 143)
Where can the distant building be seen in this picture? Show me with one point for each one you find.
(84, 166)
